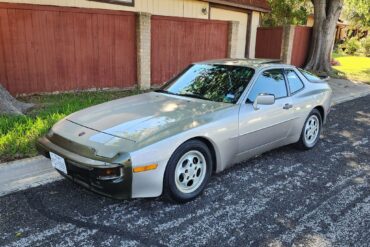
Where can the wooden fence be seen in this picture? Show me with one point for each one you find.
(301, 45)
(177, 42)
(269, 42)
(46, 49)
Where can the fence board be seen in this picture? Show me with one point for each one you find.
(177, 42)
(269, 41)
(301, 45)
(46, 49)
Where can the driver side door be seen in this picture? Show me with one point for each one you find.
(267, 126)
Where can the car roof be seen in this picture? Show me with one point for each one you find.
(252, 63)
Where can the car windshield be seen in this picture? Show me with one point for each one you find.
(220, 83)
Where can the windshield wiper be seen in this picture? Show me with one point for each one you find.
(196, 96)
(165, 91)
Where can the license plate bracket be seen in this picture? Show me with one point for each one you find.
(58, 162)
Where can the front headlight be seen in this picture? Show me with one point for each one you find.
(109, 173)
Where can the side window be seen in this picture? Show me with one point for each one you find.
(269, 82)
(295, 82)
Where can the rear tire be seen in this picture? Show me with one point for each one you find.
(188, 171)
(311, 131)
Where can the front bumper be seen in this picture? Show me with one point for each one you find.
(84, 171)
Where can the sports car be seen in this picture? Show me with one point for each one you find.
(170, 141)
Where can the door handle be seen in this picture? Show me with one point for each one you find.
(287, 106)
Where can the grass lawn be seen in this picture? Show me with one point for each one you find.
(19, 133)
(353, 67)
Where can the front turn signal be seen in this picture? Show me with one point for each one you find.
(145, 168)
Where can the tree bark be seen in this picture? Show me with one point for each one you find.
(326, 14)
(9, 105)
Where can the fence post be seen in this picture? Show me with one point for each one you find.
(143, 41)
(287, 44)
(233, 39)
(253, 24)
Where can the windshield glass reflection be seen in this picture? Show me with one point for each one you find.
(219, 83)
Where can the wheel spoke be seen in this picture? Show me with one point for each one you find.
(180, 170)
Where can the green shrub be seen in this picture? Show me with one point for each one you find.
(365, 46)
(351, 46)
(338, 49)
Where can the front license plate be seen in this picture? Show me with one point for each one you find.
(58, 162)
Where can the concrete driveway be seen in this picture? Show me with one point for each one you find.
(344, 90)
(285, 197)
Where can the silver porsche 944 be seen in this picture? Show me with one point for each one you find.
(212, 115)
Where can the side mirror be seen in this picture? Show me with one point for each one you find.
(263, 99)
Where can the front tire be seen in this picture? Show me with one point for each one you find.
(311, 131)
(188, 171)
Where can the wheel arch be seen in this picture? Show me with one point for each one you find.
(322, 112)
(212, 149)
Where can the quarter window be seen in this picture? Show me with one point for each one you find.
(309, 76)
(295, 82)
(269, 82)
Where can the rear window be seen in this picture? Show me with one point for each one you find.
(309, 76)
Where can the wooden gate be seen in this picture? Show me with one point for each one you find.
(46, 49)
(177, 42)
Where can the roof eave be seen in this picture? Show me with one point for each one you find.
(241, 6)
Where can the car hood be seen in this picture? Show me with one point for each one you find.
(141, 117)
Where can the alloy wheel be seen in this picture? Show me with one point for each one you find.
(190, 171)
(312, 129)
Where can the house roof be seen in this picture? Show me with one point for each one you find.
(258, 5)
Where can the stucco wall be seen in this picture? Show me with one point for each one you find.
(242, 18)
(181, 8)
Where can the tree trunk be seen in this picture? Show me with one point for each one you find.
(326, 14)
(9, 105)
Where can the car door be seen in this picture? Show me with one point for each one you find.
(300, 99)
(270, 124)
